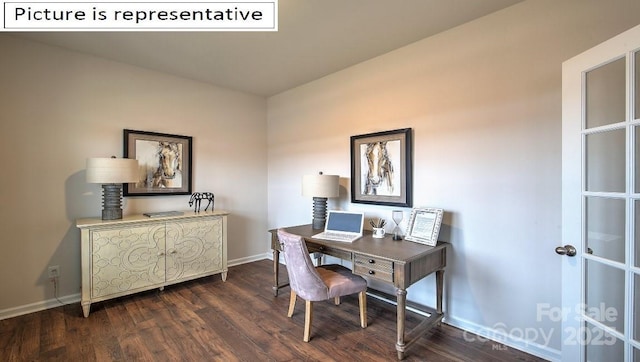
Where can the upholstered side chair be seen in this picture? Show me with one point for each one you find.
(320, 283)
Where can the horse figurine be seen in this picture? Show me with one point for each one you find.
(380, 168)
(168, 164)
(197, 197)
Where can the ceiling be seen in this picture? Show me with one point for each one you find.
(315, 38)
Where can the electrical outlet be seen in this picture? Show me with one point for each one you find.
(54, 271)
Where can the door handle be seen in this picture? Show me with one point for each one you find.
(568, 250)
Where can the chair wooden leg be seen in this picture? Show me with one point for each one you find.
(308, 316)
(336, 300)
(362, 297)
(292, 303)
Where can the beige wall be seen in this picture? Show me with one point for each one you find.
(484, 101)
(59, 107)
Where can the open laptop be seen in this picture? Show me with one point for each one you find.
(343, 226)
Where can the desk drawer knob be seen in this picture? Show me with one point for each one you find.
(371, 261)
(371, 272)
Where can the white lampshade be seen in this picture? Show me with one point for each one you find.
(320, 185)
(112, 170)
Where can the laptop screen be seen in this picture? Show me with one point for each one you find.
(345, 221)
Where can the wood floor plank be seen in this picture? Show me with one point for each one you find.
(52, 332)
(237, 320)
(8, 336)
(253, 319)
(134, 348)
(228, 333)
(108, 349)
(28, 337)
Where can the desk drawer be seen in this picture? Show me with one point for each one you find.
(317, 248)
(372, 267)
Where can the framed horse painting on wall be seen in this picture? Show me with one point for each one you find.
(381, 168)
(164, 163)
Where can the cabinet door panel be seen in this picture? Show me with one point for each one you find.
(127, 259)
(194, 247)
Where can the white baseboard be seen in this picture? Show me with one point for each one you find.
(470, 327)
(485, 333)
(39, 306)
(75, 298)
(476, 332)
(250, 259)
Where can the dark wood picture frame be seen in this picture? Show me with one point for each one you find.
(386, 180)
(165, 163)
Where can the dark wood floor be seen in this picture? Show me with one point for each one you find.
(236, 320)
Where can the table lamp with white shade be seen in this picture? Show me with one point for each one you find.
(112, 173)
(320, 187)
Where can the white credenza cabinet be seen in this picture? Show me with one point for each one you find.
(137, 253)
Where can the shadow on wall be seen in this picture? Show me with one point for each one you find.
(81, 200)
(67, 258)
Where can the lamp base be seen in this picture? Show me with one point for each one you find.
(319, 212)
(111, 201)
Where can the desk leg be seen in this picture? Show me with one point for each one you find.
(276, 270)
(401, 300)
(318, 258)
(439, 290)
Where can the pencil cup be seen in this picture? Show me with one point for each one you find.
(378, 233)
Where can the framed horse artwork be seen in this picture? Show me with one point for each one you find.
(381, 168)
(164, 163)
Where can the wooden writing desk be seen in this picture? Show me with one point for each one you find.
(397, 263)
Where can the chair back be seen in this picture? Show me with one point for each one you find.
(303, 276)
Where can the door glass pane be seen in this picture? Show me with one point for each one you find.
(605, 160)
(605, 294)
(636, 307)
(601, 346)
(637, 85)
(636, 203)
(605, 94)
(636, 355)
(605, 227)
(636, 147)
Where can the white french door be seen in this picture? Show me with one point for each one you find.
(601, 202)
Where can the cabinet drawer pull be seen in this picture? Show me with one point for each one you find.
(371, 272)
(371, 261)
(161, 253)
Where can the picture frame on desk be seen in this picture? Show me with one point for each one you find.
(164, 163)
(424, 225)
(381, 168)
